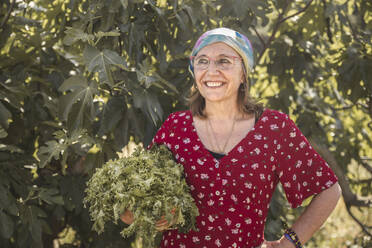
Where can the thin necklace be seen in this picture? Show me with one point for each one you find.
(227, 140)
(209, 137)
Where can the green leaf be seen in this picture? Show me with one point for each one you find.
(122, 132)
(101, 34)
(52, 149)
(112, 113)
(148, 78)
(81, 93)
(34, 225)
(73, 83)
(149, 104)
(80, 136)
(75, 34)
(6, 225)
(101, 62)
(50, 196)
(5, 116)
(3, 133)
(10, 148)
(4, 200)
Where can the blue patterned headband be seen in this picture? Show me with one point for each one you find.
(234, 39)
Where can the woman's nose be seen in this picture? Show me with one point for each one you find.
(212, 67)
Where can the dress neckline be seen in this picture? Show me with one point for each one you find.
(227, 155)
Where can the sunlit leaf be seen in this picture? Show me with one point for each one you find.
(52, 149)
(75, 34)
(101, 62)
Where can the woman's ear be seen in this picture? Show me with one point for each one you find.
(243, 77)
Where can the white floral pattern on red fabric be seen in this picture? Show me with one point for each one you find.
(234, 193)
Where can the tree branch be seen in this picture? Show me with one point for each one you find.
(353, 31)
(362, 181)
(278, 22)
(328, 24)
(7, 14)
(364, 228)
(259, 36)
(366, 166)
(276, 28)
(358, 104)
(349, 197)
(298, 12)
(343, 108)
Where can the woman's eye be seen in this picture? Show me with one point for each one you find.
(224, 61)
(202, 61)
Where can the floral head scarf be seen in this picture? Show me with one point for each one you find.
(232, 38)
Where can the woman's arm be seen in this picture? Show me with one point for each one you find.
(312, 218)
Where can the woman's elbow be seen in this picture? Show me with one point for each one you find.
(338, 190)
(334, 192)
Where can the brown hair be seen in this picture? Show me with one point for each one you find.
(246, 103)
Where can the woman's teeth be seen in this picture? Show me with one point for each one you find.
(213, 84)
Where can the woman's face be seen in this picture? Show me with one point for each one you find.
(220, 82)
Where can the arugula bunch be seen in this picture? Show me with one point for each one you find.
(150, 184)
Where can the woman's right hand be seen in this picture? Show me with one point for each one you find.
(127, 217)
(161, 225)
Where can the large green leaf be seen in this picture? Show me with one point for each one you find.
(149, 104)
(52, 149)
(75, 34)
(51, 196)
(6, 225)
(31, 218)
(101, 62)
(148, 78)
(80, 92)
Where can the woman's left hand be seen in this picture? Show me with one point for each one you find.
(282, 243)
(271, 244)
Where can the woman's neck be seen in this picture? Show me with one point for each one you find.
(222, 111)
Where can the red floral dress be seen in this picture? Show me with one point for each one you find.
(233, 194)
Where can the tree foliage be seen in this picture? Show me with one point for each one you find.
(79, 79)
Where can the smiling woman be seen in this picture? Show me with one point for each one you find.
(235, 152)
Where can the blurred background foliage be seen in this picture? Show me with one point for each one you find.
(80, 79)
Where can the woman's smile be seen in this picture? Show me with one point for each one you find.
(213, 84)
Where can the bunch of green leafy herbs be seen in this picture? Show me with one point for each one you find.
(150, 184)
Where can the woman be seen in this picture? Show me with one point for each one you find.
(235, 152)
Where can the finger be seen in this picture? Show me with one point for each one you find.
(173, 210)
(161, 228)
(162, 223)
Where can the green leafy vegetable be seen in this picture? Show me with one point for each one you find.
(150, 184)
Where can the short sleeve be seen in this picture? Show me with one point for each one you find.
(302, 171)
